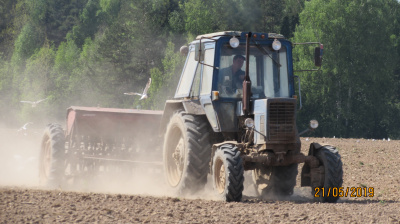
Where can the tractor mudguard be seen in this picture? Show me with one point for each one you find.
(189, 106)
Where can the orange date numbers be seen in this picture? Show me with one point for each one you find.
(352, 192)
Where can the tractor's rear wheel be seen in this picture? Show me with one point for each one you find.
(228, 173)
(332, 166)
(52, 157)
(278, 180)
(187, 152)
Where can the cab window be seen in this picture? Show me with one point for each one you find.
(187, 77)
(207, 71)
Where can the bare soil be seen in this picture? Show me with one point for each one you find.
(367, 163)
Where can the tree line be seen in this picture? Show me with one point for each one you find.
(89, 52)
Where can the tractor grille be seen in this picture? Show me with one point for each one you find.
(281, 121)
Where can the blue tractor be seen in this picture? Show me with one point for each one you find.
(235, 110)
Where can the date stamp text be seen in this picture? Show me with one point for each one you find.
(352, 192)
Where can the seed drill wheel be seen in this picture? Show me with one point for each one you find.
(278, 180)
(227, 172)
(52, 156)
(331, 164)
(186, 152)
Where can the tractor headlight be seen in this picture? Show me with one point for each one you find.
(276, 45)
(249, 122)
(313, 124)
(184, 50)
(234, 42)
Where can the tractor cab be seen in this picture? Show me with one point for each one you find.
(217, 66)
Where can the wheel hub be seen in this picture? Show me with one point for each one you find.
(45, 171)
(178, 155)
(220, 176)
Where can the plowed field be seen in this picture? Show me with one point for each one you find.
(367, 163)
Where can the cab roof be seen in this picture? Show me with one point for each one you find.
(240, 34)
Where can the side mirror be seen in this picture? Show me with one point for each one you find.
(199, 52)
(318, 56)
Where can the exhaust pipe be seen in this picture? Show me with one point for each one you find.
(247, 81)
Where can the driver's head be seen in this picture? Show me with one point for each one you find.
(238, 61)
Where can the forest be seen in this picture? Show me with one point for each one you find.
(89, 52)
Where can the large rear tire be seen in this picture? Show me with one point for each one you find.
(332, 165)
(228, 173)
(186, 153)
(52, 157)
(278, 180)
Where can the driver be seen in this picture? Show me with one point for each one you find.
(231, 78)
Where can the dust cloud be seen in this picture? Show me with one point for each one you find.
(19, 156)
(19, 166)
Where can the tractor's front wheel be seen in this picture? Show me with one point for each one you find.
(228, 173)
(52, 157)
(331, 164)
(186, 152)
